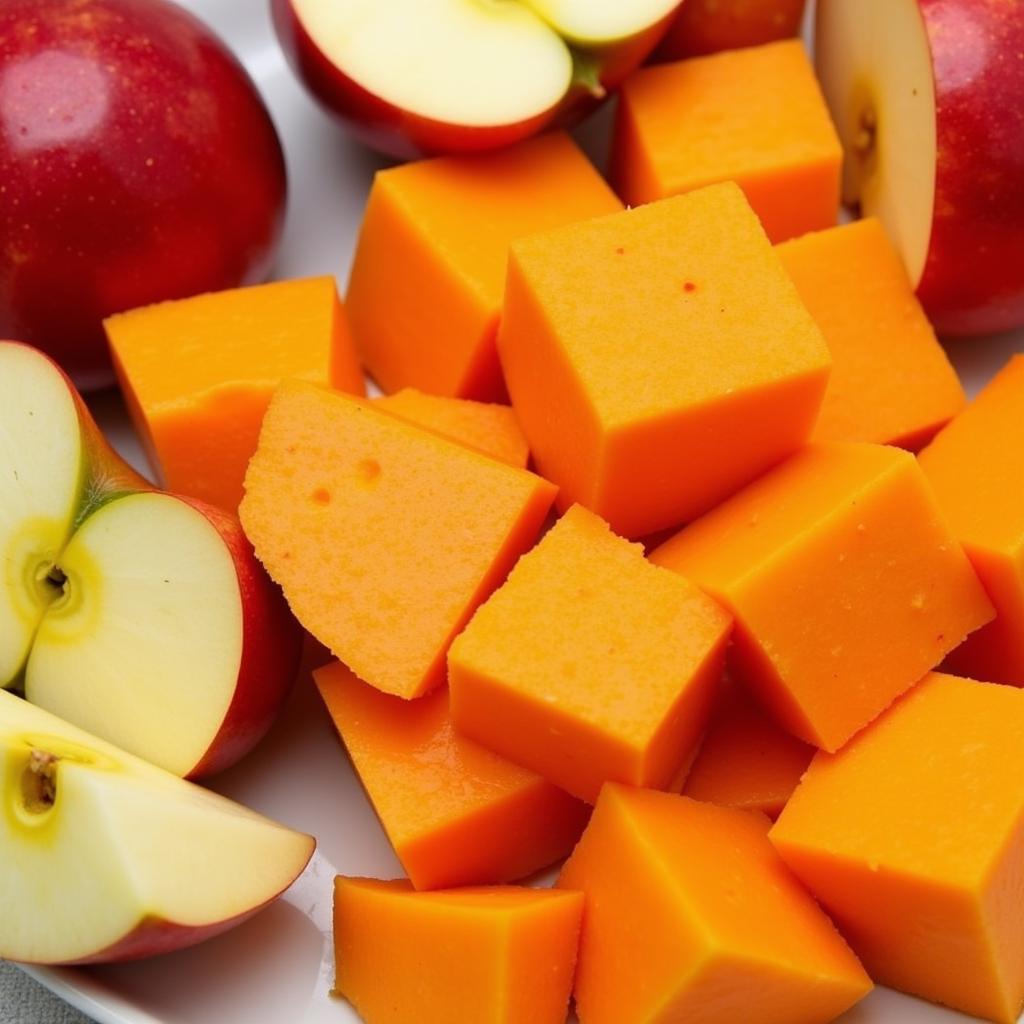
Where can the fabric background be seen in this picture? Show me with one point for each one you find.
(24, 1001)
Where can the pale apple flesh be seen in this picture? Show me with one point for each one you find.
(875, 67)
(422, 77)
(108, 858)
(143, 644)
(141, 616)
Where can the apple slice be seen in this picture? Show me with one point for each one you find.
(139, 615)
(435, 76)
(107, 858)
(928, 99)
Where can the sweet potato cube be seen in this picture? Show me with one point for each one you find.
(754, 116)
(891, 382)
(846, 584)
(468, 956)
(424, 296)
(690, 915)
(660, 358)
(197, 374)
(384, 537)
(911, 837)
(491, 429)
(746, 760)
(976, 466)
(589, 663)
(456, 813)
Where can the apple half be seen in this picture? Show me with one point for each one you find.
(928, 99)
(420, 77)
(107, 858)
(138, 615)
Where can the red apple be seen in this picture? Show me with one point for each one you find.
(107, 858)
(707, 26)
(137, 163)
(451, 76)
(928, 97)
(138, 615)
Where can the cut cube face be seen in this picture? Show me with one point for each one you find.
(846, 584)
(486, 955)
(456, 813)
(384, 537)
(425, 293)
(589, 663)
(891, 381)
(691, 915)
(659, 358)
(199, 413)
(910, 838)
(711, 119)
(973, 466)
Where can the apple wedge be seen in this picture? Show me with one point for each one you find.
(418, 77)
(107, 858)
(139, 615)
(928, 99)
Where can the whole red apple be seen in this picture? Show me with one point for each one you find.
(928, 97)
(454, 76)
(137, 163)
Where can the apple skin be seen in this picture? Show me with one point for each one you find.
(973, 280)
(708, 26)
(138, 162)
(272, 638)
(406, 136)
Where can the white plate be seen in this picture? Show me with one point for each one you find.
(278, 967)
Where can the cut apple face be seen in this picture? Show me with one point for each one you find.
(141, 616)
(874, 62)
(108, 858)
(435, 76)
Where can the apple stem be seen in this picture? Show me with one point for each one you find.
(39, 781)
(586, 73)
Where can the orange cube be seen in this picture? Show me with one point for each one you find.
(846, 584)
(891, 382)
(976, 466)
(470, 956)
(491, 429)
(690, 915)
(384, 537)
(754, 116)
(746, 760)
(630, 354)
(707, 26)
(424, 296)
(455, 813)
(911, 838)
(197, 374)
(589, 663)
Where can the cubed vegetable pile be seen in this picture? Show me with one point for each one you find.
(653, 562)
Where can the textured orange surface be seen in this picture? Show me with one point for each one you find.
(425, 292)
(746, 760)
(976, 468)
(707, 26)
(891, 381)
(691, 916)
(491, 429)
(912, 837)
(754, 116)
(468, 956)
(384, 537)
(846, 583)
(629, 355)
(197, 374)
(589, 663)
(456, 813)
